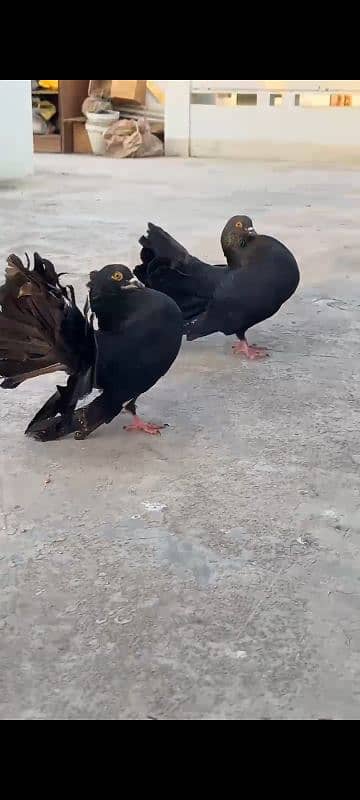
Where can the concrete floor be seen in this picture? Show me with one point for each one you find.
(213, 573)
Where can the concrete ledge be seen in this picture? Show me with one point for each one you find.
(304, 152)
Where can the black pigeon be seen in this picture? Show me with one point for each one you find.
(262, 274)
(42, 331)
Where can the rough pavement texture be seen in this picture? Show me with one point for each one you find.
(213, 573)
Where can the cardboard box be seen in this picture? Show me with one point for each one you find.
(129, 91)
(120, 91)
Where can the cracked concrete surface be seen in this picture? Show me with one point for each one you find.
(213, 573)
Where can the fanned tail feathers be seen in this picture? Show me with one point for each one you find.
(36, 316)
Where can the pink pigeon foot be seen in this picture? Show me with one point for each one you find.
(251, 352)
(138, 425)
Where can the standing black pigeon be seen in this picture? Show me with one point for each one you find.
(42, 331)
(262, 274)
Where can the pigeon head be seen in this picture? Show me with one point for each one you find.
(110, 286)
(237, 233)
(112, 280)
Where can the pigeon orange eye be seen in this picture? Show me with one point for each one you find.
(239, 225)
(117, 276)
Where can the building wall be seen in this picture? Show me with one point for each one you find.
(16, 139)
(279, 85)
(305, 120)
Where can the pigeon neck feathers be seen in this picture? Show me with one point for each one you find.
(239, 233)
(237, 255)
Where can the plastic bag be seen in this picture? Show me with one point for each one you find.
(131, 138)
(39, 124)
(44, 108)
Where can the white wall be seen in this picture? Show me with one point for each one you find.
(16, 138)
(263, 131)
(281, 133)
(278, 85)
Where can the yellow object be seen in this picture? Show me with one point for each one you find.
(156, 92)
(46, 110)
(52, 85)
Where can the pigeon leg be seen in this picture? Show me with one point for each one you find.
(82, 423)
(138, 425)
(53, 428)
(253, 353)
(63, 402)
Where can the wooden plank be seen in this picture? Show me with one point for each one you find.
(72, 96)
(48, 143)
(40, 92)
(67, 137)
(81, 139)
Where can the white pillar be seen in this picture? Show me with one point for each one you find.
(177, 118)
(16, 136)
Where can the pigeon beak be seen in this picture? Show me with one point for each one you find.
(252, 233)
(133, 283)
(136, 283)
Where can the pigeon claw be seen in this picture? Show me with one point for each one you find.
(251, 352)
(139, 426)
